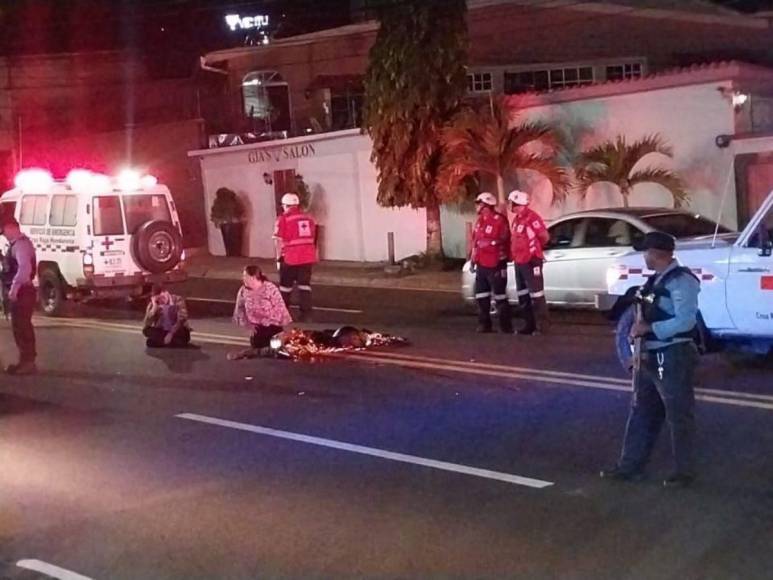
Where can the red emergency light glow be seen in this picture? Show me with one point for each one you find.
(148, 181)
(79, 179)
(34, 179)
(128, 180)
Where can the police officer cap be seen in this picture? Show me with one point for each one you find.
(656, 241)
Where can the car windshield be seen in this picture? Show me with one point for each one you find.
(144, 208)
(683, 225)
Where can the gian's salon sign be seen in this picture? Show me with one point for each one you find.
(277, 154)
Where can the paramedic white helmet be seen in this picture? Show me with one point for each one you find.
(487, 198)
(290, 199)
(518, 197)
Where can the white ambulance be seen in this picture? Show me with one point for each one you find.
(95, 235)
(736, 272)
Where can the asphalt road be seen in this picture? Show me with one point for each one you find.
(459, 456)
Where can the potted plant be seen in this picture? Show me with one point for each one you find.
(227, 214)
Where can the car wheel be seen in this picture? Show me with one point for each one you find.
(157, 246)
(51, 294)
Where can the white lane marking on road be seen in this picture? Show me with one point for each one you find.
(372, 451)
(490, 366)
(320, 308)
(755, 400)
(50, 570)
(701, 394)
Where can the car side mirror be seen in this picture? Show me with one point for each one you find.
(767, 249)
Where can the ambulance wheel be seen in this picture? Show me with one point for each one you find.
(51, 294)
(157, 246)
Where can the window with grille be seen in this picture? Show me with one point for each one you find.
(546, 79)
(480, 82)
(624, 71)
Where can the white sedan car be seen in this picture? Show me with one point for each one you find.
(584, 245)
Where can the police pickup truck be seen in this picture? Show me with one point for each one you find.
(736, 273)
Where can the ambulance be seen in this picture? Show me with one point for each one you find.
(96, 236)
(736, 273)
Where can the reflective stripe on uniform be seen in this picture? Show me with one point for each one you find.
(304, 288)
(523, 292)
(285, 289)
(482, 295)
(500, 296)
(537, 294)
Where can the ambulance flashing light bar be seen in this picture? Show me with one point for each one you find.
(40, 181)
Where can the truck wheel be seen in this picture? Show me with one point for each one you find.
(157, 246)
(51, 294)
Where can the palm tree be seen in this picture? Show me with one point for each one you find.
(482, 141)
(614, 162)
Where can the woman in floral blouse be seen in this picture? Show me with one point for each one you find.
(259, 305)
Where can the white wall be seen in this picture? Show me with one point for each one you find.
(688, 118)
(337, 169)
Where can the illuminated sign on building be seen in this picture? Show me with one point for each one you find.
(237, 22)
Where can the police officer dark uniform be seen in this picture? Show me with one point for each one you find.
(490, 247)
(663, 386)
(19, 268)
(296, 237)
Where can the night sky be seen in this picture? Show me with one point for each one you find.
(180, 30)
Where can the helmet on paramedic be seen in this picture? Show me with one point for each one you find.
(290, 199)
(487, 198)
(518, 197)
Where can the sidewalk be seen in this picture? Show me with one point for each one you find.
(329, 273)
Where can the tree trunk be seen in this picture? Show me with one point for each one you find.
(625, 192)
(434, 233)
(501, 195)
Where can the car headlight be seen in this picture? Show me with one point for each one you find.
(615, 274)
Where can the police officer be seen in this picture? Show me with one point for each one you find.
(19, 268)
(490, 241)
(663, 387)
(528, 237)
(295, 236)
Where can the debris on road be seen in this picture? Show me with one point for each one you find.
(308, 345)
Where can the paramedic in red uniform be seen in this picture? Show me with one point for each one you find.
(528, 236)
(295, 236)
(490, 247)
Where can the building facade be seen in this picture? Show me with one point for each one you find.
(595, 70)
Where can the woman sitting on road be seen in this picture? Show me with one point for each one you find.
(259, 305)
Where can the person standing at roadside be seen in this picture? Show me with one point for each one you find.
(528, 238)
(295, 236)
(663, 385)
(490, 241)
(19, 270)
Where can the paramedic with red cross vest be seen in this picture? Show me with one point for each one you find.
(527, 239)
(490, 249)
(295, 237)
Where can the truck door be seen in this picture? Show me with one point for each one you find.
(112, 256)
(750, 276)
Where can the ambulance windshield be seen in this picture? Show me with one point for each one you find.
(144, 208)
